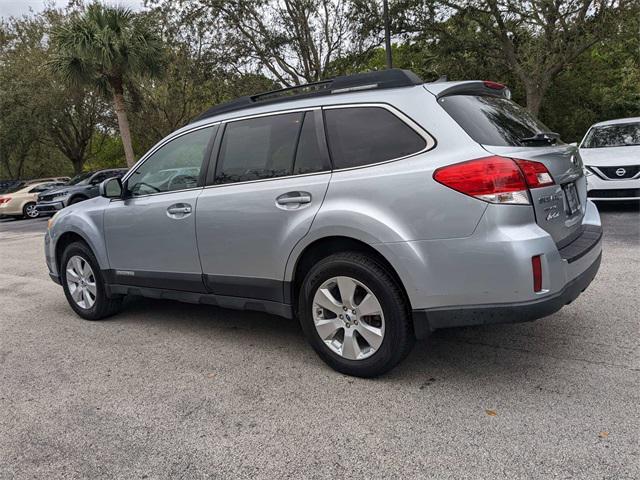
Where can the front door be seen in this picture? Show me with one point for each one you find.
(150, 235)
(270, 179)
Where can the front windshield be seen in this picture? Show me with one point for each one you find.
(81, 179)
(617, 135)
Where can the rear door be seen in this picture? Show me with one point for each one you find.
(270, 179)
(504, 128)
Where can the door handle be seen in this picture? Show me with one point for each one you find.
(179, 210)
(294, 198)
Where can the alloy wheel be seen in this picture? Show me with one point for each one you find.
(31, 211)
(348, 318)
(81, 282)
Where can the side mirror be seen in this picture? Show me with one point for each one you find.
(111, 188)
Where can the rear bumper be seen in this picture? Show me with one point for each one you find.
(426, 320)
(488, 277)
(10, 208)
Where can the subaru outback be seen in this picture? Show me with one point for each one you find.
(375, 208)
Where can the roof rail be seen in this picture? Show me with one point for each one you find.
(392, 78)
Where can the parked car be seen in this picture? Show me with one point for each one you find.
(21, 200)
(79, 189)
(373, 207)
(611, 155)
(61, 180)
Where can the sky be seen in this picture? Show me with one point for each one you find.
(10, 8)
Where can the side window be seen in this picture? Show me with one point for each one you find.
(100, 177)
(309, 156)
(258, 148)
(364, 135)
(39, 188)
(175, 166)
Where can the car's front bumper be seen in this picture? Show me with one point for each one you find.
(612, 190)
(49, 207)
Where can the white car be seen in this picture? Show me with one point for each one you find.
(610, 152)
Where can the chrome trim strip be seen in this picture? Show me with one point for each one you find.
(269, 114)
(284, 177)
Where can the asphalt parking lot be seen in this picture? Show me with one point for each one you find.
(171, 390)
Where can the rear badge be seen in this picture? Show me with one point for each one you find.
(552, 214)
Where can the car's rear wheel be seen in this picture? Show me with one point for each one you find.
(83, 284)
(355, 315)
(30, 211)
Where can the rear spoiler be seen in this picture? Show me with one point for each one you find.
(471, 87)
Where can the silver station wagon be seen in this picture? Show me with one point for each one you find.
(374, 208)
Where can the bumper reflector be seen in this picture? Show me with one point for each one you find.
(536, 265)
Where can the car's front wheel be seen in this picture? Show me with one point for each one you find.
(83, 284)
(355, 315)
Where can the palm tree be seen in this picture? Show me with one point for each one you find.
(108, 48)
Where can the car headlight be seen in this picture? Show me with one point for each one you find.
(61, 196)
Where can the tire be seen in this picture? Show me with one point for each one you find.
(75, 200)
(102, 306)
(394, 324)
(29, 210)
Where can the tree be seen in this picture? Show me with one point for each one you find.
(535, 39)
(24, 98)
(77, 119)
(108, 48)
(293, 41)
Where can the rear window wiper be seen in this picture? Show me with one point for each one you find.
(549, 138)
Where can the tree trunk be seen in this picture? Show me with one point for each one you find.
(535, 93)
(78, 163)
(123, 126)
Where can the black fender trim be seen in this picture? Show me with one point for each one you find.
(223, 301)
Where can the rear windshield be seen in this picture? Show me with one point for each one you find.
(493, 120)
(619, 135)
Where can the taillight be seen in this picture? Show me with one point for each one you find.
(535, 173)
(4, 200)
(492, 179)
(495, 179)
(536, 266)
(494, 85)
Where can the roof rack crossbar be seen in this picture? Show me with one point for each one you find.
(392, 78)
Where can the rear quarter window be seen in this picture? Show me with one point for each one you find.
(360, 136)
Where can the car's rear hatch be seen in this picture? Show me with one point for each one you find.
(558, 208)
(484, 110)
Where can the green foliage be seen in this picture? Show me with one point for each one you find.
(105, 47)
(175, 59)
(106, 153)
